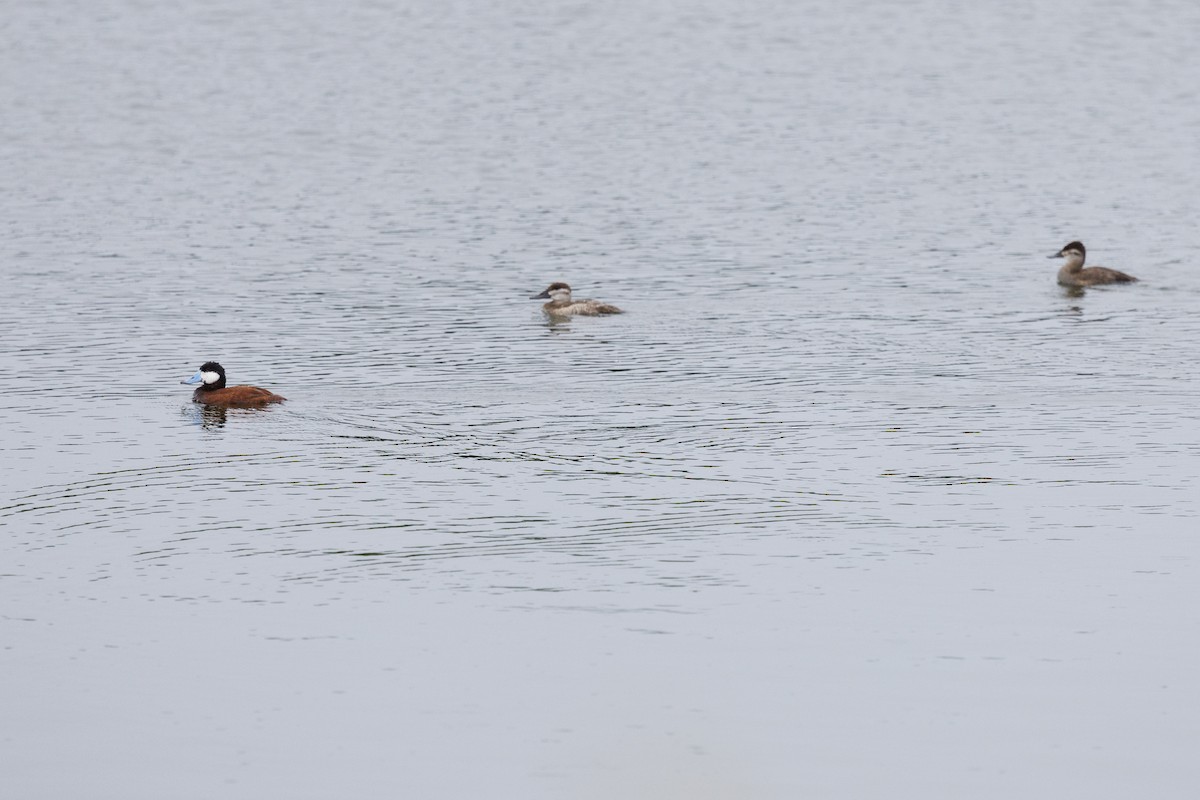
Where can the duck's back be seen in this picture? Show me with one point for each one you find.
(585, 308)
(1092, 276)
(237, 396)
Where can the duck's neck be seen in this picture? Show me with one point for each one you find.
(1074, 263)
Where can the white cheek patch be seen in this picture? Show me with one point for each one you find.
(210, 377)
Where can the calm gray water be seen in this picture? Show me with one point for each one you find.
(854, 502)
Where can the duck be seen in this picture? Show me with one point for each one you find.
(213, 391)
(561, 304)
(1072, 273)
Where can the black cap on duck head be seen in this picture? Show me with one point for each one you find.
(1076, 246)
(211, 375)
(549, 291)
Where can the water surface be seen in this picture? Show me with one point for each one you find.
(853, 502)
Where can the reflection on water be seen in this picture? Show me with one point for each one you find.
(210, 416)
(849, 466)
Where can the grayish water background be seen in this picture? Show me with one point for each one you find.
(854, 502)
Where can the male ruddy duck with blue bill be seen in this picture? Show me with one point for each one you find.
(1075, 275)
(561, 304)
(213, 391)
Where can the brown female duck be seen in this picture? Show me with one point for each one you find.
(561, 304)
(1073, 273)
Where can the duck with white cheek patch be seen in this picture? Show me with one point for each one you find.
(561, 304)
(1074, 274)
(213, 391)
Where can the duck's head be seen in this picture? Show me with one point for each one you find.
(211, 375)
(1074, 251)
(559, 292)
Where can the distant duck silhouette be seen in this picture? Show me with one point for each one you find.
(213, 391)
(561, 304)
(1073, 272)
